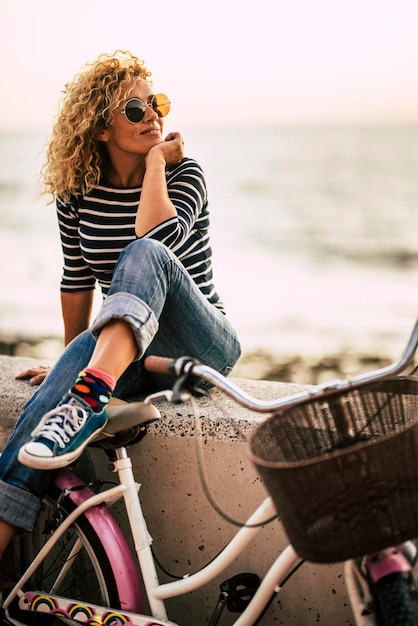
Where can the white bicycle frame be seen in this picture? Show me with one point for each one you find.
(270, 584)
(157, 593)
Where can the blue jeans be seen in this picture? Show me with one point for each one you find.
(169, 317)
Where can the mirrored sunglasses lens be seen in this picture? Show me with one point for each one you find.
(161, 104)
(135, 110)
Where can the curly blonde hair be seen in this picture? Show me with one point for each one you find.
(74, 155)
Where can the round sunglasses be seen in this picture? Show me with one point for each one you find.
(134, 109)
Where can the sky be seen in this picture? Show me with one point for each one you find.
(224, 63)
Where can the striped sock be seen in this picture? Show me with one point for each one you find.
(95, 387)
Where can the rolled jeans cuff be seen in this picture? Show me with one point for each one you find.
(132, 310)
(18, 507)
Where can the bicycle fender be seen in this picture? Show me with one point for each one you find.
(112, 539)
(387, 562)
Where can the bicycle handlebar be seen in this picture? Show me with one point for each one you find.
(188, 367)
(160, 364)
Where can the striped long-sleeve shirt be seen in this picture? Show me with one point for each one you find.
(95, 227)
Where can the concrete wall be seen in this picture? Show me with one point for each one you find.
(186, 530)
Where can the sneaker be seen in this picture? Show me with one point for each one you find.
(62, 434)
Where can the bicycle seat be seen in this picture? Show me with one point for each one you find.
(126, 423)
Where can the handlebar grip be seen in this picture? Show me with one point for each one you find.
(159, 364)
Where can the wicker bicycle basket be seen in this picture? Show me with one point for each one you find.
(343, 471)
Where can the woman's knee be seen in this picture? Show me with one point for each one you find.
(143, 249)
(144, 263)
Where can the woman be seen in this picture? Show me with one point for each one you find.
(133, 217)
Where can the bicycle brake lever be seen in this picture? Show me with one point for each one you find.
(169, 396)
(165, 394)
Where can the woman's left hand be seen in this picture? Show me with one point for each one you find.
(35, 374)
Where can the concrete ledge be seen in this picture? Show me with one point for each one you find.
(187, 532)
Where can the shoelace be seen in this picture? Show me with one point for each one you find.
(62, 423)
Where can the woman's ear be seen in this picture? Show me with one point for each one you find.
(103, 135)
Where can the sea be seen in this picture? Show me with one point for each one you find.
(314, 234)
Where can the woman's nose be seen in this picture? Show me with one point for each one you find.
(150, 114)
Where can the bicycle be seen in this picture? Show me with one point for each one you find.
(338, 434)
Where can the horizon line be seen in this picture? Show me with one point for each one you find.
(243, 127)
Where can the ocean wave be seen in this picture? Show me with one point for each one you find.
(396, 257)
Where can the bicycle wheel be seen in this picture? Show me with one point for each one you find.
(87, 564)
(392, 602)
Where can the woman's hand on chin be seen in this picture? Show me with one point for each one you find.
(172, 148)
